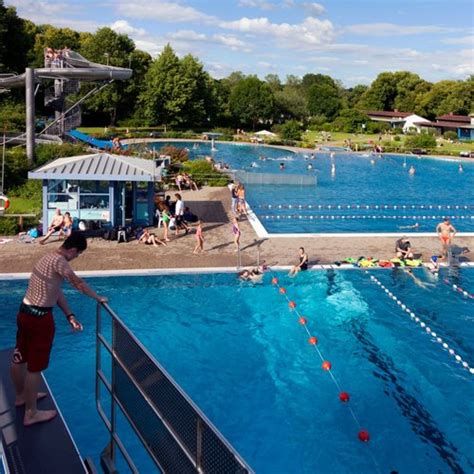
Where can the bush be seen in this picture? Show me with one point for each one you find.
(8, 225)
(397, 138)
(12, 116)
(397, 130)
(203, 172)
(450, 135)
(178, 155)
(376, 127)
(49, 152)
(291, 130)
(422, 140)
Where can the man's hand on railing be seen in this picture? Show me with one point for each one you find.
(102, 299)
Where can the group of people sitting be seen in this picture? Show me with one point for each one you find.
(61, 223)
(183, 180)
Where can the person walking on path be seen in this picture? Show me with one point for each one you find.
(179, 211)
(236, 232)
(199, 248)
(35, 323)
(446, 233)
(303, 262)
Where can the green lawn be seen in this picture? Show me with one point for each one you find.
(20, 205)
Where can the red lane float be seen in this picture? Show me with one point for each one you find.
(302, 320)
(344, 397)
(364, 436)
(326, 365)
(292, 305)
(274, 281)
(282, 290)
(313, 340)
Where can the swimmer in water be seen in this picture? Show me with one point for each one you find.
(418, 281)
(253, 165)
(460, 168)
(333, 169)
(332, 155)
(310, 166)
(412, 170)
(433, 265)
(414, 226)
(282, 166)
(372, 161)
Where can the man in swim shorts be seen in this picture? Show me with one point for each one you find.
(35, 323)
(57, 223)
(446, 233)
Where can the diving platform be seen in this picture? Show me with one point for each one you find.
(42, 448)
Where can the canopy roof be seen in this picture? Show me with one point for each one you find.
(99, 167)
(265, 133)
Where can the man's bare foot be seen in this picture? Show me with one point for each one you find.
(39, 416)
(20, 401)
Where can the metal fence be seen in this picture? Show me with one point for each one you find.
(176, 434)
(247, 177)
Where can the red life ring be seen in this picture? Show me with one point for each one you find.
(4, 203)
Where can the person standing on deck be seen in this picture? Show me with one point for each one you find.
(446, 233)
(35, 333)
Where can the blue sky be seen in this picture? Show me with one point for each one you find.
(349, 40)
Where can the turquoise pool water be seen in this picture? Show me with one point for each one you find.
(243, 358)
(367, 193)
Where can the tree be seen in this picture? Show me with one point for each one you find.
(165, 91)
(290, 103)
(324, 97)
(16, 40)
(252, 101)
(106, 46)
(447, 96)
(199, 90)
(51, 37)
(274, 82)
(354, 95)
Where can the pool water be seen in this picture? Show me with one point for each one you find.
(367, 193)
(241, 355)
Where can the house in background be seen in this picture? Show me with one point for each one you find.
(412, 123)
(462, 125)
(393, 118)
(100, 189)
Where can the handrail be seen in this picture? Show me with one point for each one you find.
(176, 434)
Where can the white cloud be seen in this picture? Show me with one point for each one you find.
(187, 35)
(123, 27)
(261, 4)
(169, 12)
(391, 29)
(313, 9)
(232, 42)
(469, 40)
(308, 33)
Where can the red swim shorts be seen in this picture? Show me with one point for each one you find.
(34, 340)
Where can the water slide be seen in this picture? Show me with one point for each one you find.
(95, 142)
(75, 67)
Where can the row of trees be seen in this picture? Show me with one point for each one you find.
(178, 92)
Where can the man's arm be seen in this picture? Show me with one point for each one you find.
(83, 287)
(70, 316)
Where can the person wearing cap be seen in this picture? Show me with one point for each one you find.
(433, 265)
(403, 248)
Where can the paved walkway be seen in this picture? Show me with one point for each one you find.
(212, 206)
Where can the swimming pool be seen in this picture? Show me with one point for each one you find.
(366, 193)
(241, 355)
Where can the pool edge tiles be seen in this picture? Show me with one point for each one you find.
(202, 270)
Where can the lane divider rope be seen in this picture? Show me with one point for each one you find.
(436, 338)
(458, 289)
(326, 365)
(363, 206)
(336, 217)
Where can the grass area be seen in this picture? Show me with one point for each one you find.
(337, 139)
(19, 205)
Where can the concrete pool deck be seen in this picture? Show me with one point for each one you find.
(212, 205)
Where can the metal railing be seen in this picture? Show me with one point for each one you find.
(248, 177)
(175, 433)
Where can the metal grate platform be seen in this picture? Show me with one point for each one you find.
(43, 448)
